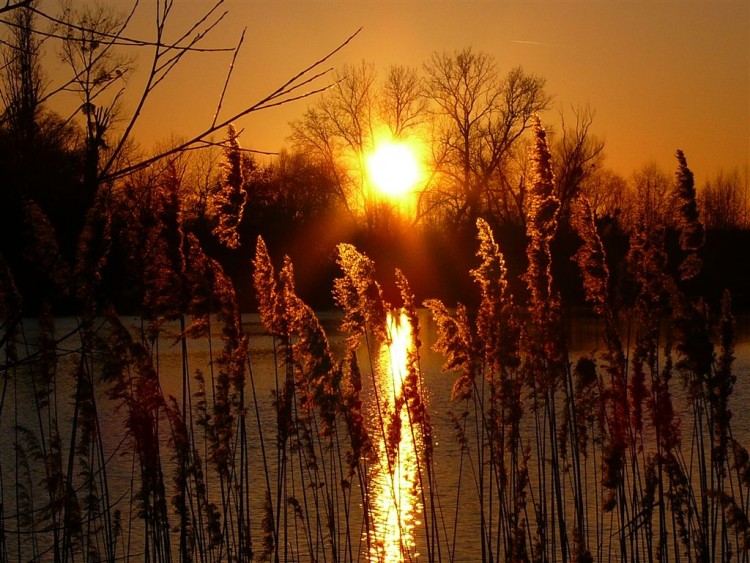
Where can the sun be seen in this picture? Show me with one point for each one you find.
(393, 168)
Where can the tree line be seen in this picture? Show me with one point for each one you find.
(472, 119)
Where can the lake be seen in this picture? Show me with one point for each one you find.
(402, 506)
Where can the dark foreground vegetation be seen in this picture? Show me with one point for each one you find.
(565, 459)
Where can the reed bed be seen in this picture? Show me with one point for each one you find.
(560, 458)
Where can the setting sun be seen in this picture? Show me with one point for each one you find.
(393, 168)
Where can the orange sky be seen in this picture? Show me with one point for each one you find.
(660, 75)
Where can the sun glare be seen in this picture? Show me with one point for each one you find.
(396, 488)
(393, 169)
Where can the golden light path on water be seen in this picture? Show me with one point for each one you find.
(395, 495)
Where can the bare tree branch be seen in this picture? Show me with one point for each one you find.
(9, 6)
(158, 73)
(125, 41)
(229, 76)
(278, 97)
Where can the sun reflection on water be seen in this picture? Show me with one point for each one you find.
(395, 494)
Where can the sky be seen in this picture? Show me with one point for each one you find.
(660, 76)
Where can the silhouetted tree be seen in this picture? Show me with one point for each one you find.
(342, 127)
(402, 104)
(578, 155)
(99, 70)
(297, 189)
(22, 80)
(725, 201)
(479, 118)
(608, 194)
(338, 130)
(653, 198)
(37, 144)
(39, 156)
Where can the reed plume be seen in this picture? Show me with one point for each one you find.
(227, 202)
(359, 295)
(692, 233)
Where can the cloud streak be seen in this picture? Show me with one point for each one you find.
(541, 43)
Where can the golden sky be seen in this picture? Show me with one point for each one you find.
(660, 75)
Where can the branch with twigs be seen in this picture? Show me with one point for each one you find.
(166, 56)
(281, 96)
(9, 6)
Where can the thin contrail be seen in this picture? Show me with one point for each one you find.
(537, 43)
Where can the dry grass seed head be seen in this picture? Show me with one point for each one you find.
(199, 281)
(42, 250)
(692, 233)
(454, 340)
(490, 275)
(541, 224)
(359, 295)
(93, 250)
(409, 308)
(10, 298)
(269, 302)
(590, 257)
(227, 203)
(319, 380)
